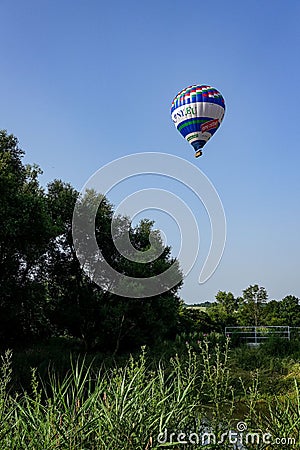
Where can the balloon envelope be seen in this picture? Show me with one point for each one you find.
(197, 113)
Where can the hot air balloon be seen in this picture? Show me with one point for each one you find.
(197, 113)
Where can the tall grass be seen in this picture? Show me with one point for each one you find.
(120, 408)
(124, 408)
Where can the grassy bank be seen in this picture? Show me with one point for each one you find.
(139, 401)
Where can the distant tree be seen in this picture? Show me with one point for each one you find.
(228, 302)
(253, 300)
(289, 310)
(193, 320)
(224, 311)
(272, 314)
(206, 304)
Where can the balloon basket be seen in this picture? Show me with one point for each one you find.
(198, 153)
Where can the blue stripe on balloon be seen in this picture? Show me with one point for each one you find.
(199, 98)
(193, 127)
(196, 128)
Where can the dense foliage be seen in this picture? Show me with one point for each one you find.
(251, 309)
(44, 293)
(43, 290)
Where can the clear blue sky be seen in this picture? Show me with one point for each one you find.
(85, 82)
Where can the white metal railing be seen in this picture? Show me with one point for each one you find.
(257, 334)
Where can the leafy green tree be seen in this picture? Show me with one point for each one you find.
(25, 229)
(74, 299)
(224, 311)
(253, 301)
(289, 310)
(88, 310)
(44, 290)
(272, 314)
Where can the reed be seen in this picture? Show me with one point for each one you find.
(127, 408)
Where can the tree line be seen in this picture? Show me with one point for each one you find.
(44, 292)
(252, 308)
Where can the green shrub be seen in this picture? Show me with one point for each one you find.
(278, 346)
